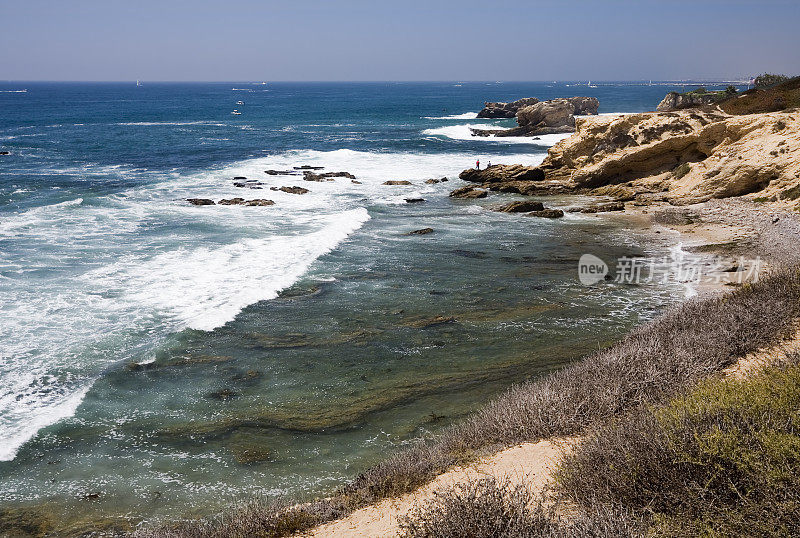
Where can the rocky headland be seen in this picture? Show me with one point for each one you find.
(539, 117)
(680, 157)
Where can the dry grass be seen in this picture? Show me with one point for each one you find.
(649, 366)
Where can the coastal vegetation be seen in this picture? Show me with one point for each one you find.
(719, 459)
(652, 365)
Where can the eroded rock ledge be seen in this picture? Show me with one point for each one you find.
(680, 157)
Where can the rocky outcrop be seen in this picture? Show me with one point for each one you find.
(326, 176)
(546, 213)
(469, 193)
(502, 173)
(422, 231)
(523, 206)
(505, 110)
(678, 101)
(200, 201)
(547, 117)
(397, 182)
(688, 156)
(290, 190)
(241, 201)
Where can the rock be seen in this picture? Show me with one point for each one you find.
(248, 184)
(200, 201)
(502, 173)
(690, 156)
(423, 231)
(603, 208)
(259, 202)
(546, 213)
(414, 200)
(521, 207)
(308, 167)
(311, 176)
(223, 394)
(232, 201)
(618, 192)
(505, 110)
(290, 190)
(281, 172)
(692, 99)
(431, 181)
(396, 182)
(239, 177)
(5, 153)
(468, 192)
(555, 115)
(431, 322)
(547, 117)
(443, 179)
(355, 182)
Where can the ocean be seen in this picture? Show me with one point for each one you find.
(160, 359)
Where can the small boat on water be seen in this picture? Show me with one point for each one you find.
(239, 102)
(236, 113)
(138, 83)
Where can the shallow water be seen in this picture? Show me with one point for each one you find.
(159, 357)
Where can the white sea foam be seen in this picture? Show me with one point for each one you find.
(464, 116)
(100, 278)
(463, 132)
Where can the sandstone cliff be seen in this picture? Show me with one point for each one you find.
(688, 156)
(679, 157)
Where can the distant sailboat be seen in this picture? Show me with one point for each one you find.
(590, 85)
(138, 83)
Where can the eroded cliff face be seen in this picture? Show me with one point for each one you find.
(687, 156)
(545, 117)
(505, 110)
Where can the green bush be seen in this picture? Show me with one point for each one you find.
(681, 170)
(768, 80)
(723, 460)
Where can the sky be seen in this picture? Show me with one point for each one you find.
(361, 40)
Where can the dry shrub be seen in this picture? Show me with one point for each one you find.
(722, 460)
(491, 508)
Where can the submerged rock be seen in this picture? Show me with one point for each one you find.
(261, 202)
(248, 184)
(423, 231)
(469, 192)
(5, 153)
(281, 172)
(414, 200)
(397, 182)
(431, 322)
(200, 201)
(223, 394)
(308, 167)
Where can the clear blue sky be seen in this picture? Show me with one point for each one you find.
(238, 40)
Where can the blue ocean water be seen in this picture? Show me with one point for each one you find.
(157, 356)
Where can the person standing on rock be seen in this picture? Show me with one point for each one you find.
(478, 164)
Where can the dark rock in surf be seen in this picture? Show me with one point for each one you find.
(423, 231)
(546, 213)
(200, 201)
(468, 193)
(521, 207)
(414, 200)
(397, 182)
(290, 190)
